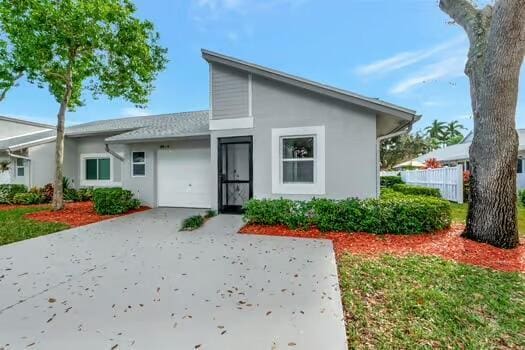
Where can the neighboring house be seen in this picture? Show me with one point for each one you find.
(267, 134)
(26, 145)
(459, 154)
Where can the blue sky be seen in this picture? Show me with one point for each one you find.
(404, 52)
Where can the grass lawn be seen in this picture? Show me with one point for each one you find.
(459, 214)
(14, 227)
(425, 302)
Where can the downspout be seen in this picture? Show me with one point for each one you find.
(402, 130)
(113, 153)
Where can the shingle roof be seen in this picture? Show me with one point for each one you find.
(185, 120)
(461, 150)
(168, 127)
(24, 141)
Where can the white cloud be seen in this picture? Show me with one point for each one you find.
(135, 112)
(244, 6)
(409, 58)
(447, 68)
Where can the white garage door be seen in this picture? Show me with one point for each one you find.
(184, 178)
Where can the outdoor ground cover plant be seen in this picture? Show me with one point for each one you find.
(425, 302)
(194, 222)
(15, 226)
(393, 213)
(114, 201)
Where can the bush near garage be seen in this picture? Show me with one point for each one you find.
(389, 181)
(417, 190)
(113, 201)
(8, 192)
(395, 213)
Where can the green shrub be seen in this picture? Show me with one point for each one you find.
(417, 190)
(114, 200)
(389, 181)
(8, 192)
(28, 198)
(209, 214)
(394, 213)
(85, 194)
(192, 223)
(70, 194)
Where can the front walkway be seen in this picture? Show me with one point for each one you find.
(137, 283)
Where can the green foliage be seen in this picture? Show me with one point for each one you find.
(96, 45)
(115, 200)
(85, 194)
(389, 181)
(417, 190)
(521, 196)
(10, 70)
(15, 227)
(28, 198)
(192, 223)
(405, 147)
(420, 302)
(8, 192)
(71, 194)
(393, 213)
(209, 214)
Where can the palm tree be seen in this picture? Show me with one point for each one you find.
(436, 130)
(453, 129)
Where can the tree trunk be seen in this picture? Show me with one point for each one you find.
(58, 190)
(497, 46)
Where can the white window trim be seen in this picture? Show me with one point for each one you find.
(20, 167)
(138, 163)
(97, 183)
(318, 187)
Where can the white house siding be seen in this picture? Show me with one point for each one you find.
(42, 165)
(11, 128)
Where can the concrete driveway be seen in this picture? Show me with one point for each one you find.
(137, 283)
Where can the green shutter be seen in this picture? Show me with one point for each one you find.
(104, 169)
(91, 169)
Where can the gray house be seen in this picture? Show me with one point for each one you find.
(267, 134)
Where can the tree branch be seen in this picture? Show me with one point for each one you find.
(5, 90)
(464, 13)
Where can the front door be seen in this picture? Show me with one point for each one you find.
(235, 173)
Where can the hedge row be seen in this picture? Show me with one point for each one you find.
(417, 190)
(114, 200)
(396, 214)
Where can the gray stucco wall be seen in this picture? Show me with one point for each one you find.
(145, 187)
(42, 164)
(350, 148)
(10, 129)
(76, 147)
(230, 98)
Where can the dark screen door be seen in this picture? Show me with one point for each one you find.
(235, 173)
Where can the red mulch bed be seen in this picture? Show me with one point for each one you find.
(446, 244)
(76, 214)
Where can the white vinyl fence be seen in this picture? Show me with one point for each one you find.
(448, 180)
(5, 177)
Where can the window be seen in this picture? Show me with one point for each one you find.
(520, 166)
(138, 164)
(98, 169)
(298, 159)
(20, 167)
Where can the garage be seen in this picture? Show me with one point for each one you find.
(184, 178)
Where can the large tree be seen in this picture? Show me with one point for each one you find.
(73, 46)
(402, 148)
(497, 46)
(10, 70)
